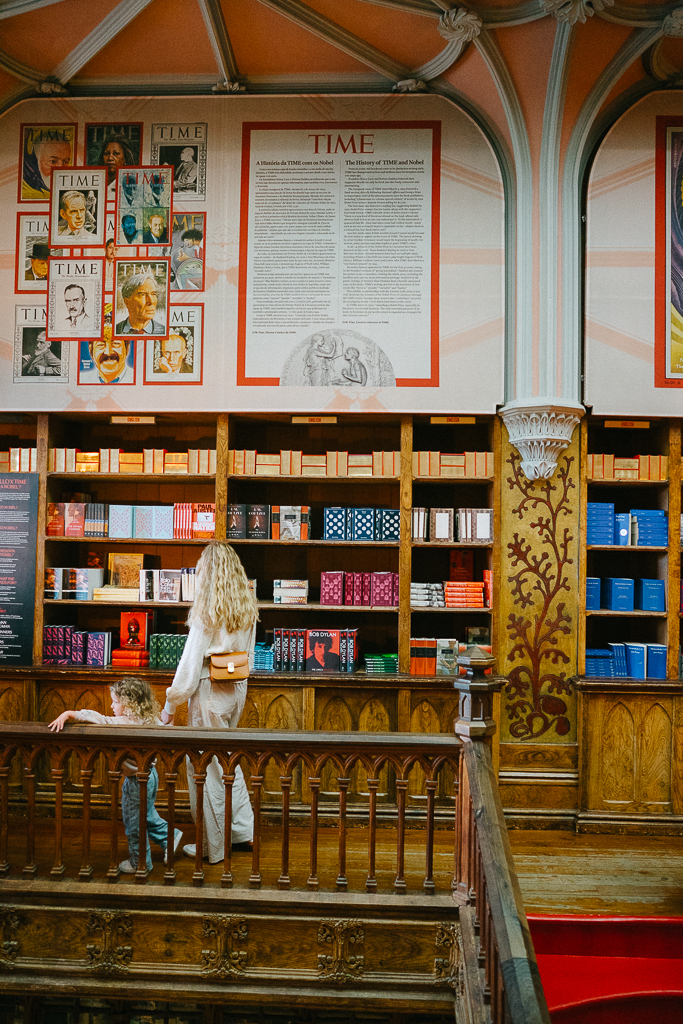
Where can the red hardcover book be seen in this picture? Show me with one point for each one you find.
(74, 519)
(331, 587)
(136, 629)
(55, 519)
(382, 589)
(348, 588)
(358, 588)
(366, 587)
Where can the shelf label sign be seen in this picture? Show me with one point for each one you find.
(314, 419)
(621, 424)
(453, 419)
(18, 532)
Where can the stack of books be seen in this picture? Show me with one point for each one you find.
(651, 527)
(639, 467)
(627, 660)
(64, 584)
(182, 521)
(243, 462)
(66, 645)
(622, 594)
(290, 591)
(166, 649)
(196, 462)
(464, 595)
(315, 650)
(467, 464)
(381, 664)
(263, 658)
(427, 595)
(446, 525)
(378, 589)
(19, 460)
(379, 524)
(600, 523)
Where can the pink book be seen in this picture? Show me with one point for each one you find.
(358, 588)
(381, 588)
(331, 587)
(348, 587)
(365, 585)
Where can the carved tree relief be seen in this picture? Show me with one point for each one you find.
(538, 559)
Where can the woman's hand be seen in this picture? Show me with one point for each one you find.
(166, 719)
(60, 722)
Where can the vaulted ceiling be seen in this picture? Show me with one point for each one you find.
(481, 55)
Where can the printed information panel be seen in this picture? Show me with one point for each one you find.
(18, 531)
(339, 259)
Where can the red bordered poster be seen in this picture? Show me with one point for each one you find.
(339, 254)
(669, 253)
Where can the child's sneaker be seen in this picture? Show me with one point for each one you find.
(177, 836)
(127, 868)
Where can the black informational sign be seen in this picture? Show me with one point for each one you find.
(18, 532)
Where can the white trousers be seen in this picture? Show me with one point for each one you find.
(219, 707)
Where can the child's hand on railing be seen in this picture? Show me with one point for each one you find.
(166, 719)
(60, 722)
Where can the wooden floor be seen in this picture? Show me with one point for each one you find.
(565, 873)
(559, 872)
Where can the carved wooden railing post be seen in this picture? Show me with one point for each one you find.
(227, 876)
(494, 931)
(59, 867)
(169, 873)
(314, 783)
(141, 872)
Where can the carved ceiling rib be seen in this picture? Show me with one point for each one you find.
(217, 30)
(428, 8)
(10, 8)
(18, 70)
(108, 29)
(339, 37)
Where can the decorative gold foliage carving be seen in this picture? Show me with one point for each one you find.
(341, 964)
(447, 967)
(542, 577)
(108, 956)
(226, 960)
(9, 948)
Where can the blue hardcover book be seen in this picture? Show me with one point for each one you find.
(362, 524)
(636, 660)
(622, 528)
(599, 662)
(592, 593)
(656, 661)
(619, 652)
(379, 532)
(391, 524)
(651, 595)
(334, 524)
(617, 594)
(120, 521)
(162, 526)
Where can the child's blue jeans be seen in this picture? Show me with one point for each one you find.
(157, 828)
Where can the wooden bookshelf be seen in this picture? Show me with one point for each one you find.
(383, 628)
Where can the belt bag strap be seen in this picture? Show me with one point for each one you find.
(224, 668)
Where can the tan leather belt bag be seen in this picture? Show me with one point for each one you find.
(225, 668)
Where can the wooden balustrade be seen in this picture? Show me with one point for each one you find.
(253, 751)
(491, 964)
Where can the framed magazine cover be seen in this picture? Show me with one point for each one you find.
(36, 359)
(186, 252)
(112, 145)
(75, 298)
(183, 146)
(177, 359)
(33, 252)
(109, 361)
(144, 205)
(78, 206)
(43, 148)
(141, 298)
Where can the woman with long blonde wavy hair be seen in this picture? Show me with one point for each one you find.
(222, 619)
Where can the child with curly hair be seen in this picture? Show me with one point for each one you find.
(133, 703)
